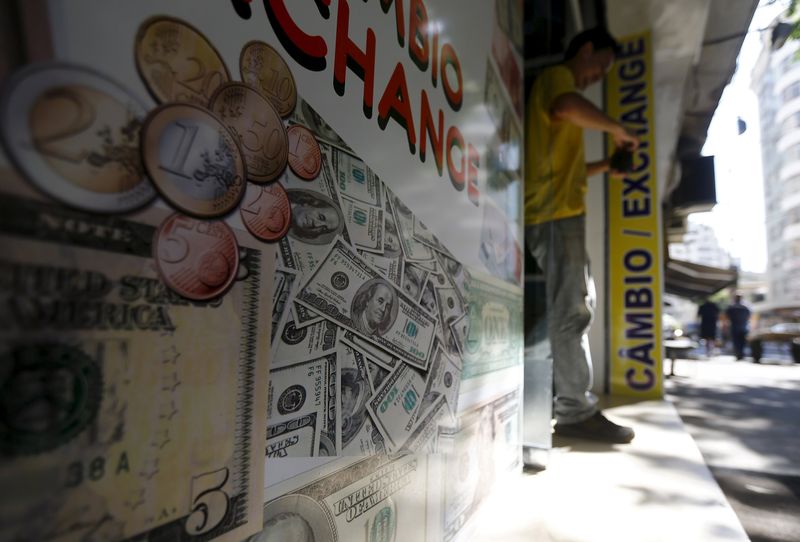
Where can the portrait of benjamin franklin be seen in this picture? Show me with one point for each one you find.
(316, 219)
(391, 239)
(374, 307)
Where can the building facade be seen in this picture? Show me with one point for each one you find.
(776, 81)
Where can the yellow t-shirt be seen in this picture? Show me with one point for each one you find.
(555, 167)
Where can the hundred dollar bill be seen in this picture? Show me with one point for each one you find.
(364, 224)
(451, 308)
(346, 290)
(443, 380)
(294, 344)
(481, 442)
(355, 180)
(283, 290)
(423, 438)
(373, 353)
(428, 298)
(300, 390)
(317, 220)
(452, 273)
(426, 236)
(371, 500)
(404, 219)
(359, 434)
(395, 404)
(494, 334)
(377, 374)
(414, 281)
(130, 412)
(390, 261)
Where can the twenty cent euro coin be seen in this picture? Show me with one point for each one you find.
(258, 126)
(74, 133)
(265, 70)
(197, 259)
(177, 63)
(305, 158)
(193, 159)
(266, 211)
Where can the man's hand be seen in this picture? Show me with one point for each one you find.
(625, 138)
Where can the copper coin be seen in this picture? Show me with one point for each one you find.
(177, 63)
(198, 259)
(266, 211)
(305, 158)
(263, 68)
(193, 159)
(258, 126)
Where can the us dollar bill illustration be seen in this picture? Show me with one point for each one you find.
(492, 327)
(308, 388)
(346, 290)
(131, 411)
(485, 446)
(359, 502)
(395, 404)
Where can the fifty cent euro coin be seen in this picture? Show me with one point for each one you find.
(265, 70)
(266, 211)
(193, 159)
(177, 63)
(197, 259)
(305, 157)
(74, 133)
(258, 126)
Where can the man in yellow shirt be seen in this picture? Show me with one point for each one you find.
(555, 210)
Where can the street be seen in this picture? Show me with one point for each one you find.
(745, 418)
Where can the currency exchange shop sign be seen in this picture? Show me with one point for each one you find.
(260, 268)
(634, 232)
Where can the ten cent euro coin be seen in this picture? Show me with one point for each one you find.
(177, 63)
(74, 133)
(265, 70)
(305, 158)
(198, 259)
(193, 159)
(258, 126)
(266, 211)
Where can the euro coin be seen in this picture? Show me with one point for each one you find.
(305, 157)
(266, 211)
(197, 259)
(265, 70)
(260, 130)
(177, 63)
(74, 134)
(193, 160)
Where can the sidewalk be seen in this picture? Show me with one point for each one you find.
(657, 488)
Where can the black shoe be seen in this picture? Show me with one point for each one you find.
(598, 428)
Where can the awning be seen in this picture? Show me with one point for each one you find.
(693, 280)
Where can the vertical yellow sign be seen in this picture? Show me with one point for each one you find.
(634, 232)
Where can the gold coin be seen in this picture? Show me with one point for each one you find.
(258, 126)
(177, 63)
(74, 133)
(265, 70)
(193, 159)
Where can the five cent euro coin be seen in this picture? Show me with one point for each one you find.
(258, 126)
(74, 133)
(266, 211)
(177, 63)
(193, 159)
(305, 157)
(198, 259)
(265, 70)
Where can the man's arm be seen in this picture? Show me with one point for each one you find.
(575, 109)
(601, 166)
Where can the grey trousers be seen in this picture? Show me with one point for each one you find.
(559, 247)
